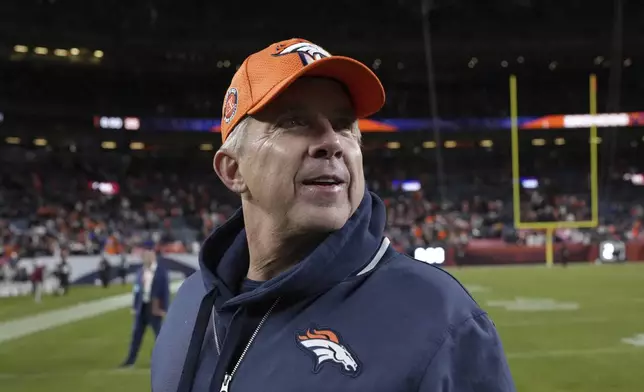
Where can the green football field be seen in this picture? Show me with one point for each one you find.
(15, 307)
(573, 329)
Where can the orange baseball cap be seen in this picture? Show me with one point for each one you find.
(267, 73)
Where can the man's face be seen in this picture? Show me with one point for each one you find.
(148, 257)
(301, 159)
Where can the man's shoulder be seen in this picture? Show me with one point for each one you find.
(192, 286)
(172, 343)
(182, 312)
(431, 287)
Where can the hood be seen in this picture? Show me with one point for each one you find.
(224, 258)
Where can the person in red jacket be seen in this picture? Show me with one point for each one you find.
(37, 278)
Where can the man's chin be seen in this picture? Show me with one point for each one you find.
(324, 219)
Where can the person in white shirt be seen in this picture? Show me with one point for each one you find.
(151, 299)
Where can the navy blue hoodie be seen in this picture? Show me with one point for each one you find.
(354, 315)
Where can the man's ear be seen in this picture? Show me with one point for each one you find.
(227, 168)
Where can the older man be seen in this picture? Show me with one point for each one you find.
(299, 290)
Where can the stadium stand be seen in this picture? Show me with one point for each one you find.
(113, 201)
(119, 61)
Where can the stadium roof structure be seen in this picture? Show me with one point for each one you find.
(169, 58)
(194, 31)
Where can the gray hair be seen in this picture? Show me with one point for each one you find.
(356, 130)
(235, 140)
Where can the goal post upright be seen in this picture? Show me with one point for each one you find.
(551, 227)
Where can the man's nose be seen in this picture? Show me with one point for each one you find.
(327, 144)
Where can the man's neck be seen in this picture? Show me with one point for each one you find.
(273, 252)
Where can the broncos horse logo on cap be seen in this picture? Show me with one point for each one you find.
(230, 105)
(326, 347)
(307, 51)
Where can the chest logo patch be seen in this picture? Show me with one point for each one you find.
(326, 346)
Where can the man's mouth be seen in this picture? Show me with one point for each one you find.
(324, 181)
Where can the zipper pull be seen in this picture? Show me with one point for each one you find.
(226, 383)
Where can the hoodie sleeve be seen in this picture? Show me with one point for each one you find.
(470, 359)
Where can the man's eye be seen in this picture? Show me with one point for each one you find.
(343, 125)
(292, 122)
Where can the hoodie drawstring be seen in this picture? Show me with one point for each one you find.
(196, 343)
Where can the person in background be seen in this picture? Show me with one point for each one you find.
(63, 272)
(4, 271)
(565, 255)
(37, 278)
(104, 272)
(123, 269)
(151, 299)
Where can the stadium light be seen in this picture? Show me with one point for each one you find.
(40, 50)
(40, 142)
(12, 140)
(20, 49)
(226, 63)
(520, 60)
(598, 120)
(393, 145)
(560, 141)
(220, 64)
(598, 60)
(504, 64)
(628, 62)
(60, 52)
(538, 142)
(206, 147)
(450, 144)
(132, 123)
(74, 51)
(110, 122)
(430, 255)
(429, 144)
(108, 145)
(98, 54)
(137, 146)
(553, 65)
(487, 143)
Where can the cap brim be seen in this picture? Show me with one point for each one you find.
(367, 93)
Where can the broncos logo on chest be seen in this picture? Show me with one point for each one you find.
(325, 346)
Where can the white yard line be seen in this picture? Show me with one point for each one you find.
(75, 374)
(574, 353)
(28, 325)
(546, 322)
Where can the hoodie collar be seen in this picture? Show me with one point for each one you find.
(224, 258)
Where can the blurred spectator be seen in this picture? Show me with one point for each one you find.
(110, 203)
